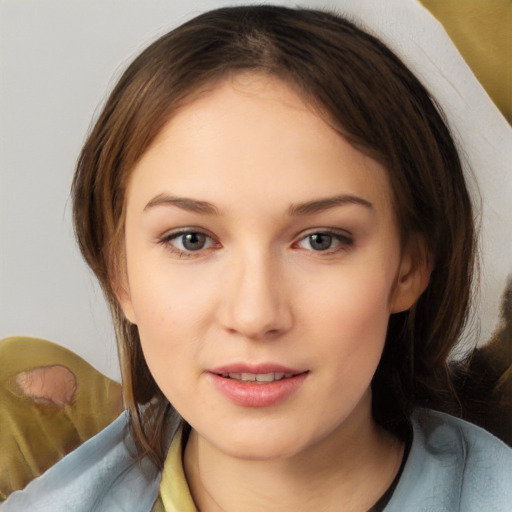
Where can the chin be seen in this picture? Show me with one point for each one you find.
(262, 451)
(264, 443)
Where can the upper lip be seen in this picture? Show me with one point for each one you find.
(256, 369)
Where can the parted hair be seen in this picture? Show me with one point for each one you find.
(375, 102)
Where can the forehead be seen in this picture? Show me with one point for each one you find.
(254, 135)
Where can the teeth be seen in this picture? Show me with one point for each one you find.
(265, 377)
(258, 377)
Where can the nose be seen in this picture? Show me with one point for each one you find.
(255, 302)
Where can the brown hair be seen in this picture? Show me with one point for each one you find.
(374, 101)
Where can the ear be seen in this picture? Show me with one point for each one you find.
(413, 277)
(121, 288)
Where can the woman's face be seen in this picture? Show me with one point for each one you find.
(263, 262)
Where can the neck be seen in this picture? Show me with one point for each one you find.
(352, 466)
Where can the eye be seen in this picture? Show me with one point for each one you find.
(187, 242)
(320, 241)
(191, 241)
(325, 241)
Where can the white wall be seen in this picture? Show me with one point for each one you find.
(57, 60)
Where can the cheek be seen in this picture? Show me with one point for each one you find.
(354, 301)
(169, 297)
(169, 339)
(173, 310)
(350, 316)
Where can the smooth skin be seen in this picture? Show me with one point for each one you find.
(256, 234)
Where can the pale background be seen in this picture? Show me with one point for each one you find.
(57, 60)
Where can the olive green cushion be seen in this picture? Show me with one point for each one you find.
(51, 401)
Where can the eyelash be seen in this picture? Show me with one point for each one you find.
(167, 240)
(344, 239)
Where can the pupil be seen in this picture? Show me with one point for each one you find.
(320, 241)
(194, 241)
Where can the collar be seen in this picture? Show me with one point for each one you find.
(174, 491)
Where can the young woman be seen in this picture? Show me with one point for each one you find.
(277, 213)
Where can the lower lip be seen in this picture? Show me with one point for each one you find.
(251, 394)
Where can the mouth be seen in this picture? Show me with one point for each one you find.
(257, 385)
(262, 373)
(258, 378)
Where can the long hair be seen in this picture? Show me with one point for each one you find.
(366, 93)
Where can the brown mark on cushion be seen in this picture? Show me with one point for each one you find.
(48, 385)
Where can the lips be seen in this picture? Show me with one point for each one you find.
(255, 369)
(257, 386)
(261, 378)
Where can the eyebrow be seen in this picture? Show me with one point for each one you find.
(320, 205)
(299, 209)
(185, 203)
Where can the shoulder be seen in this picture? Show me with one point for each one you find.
(453, 465)
(103, 474)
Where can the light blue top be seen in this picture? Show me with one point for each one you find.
(453, 466)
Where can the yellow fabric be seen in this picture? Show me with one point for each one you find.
(482, 32)
(174, 492)
(34, 435)
(158, 506)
